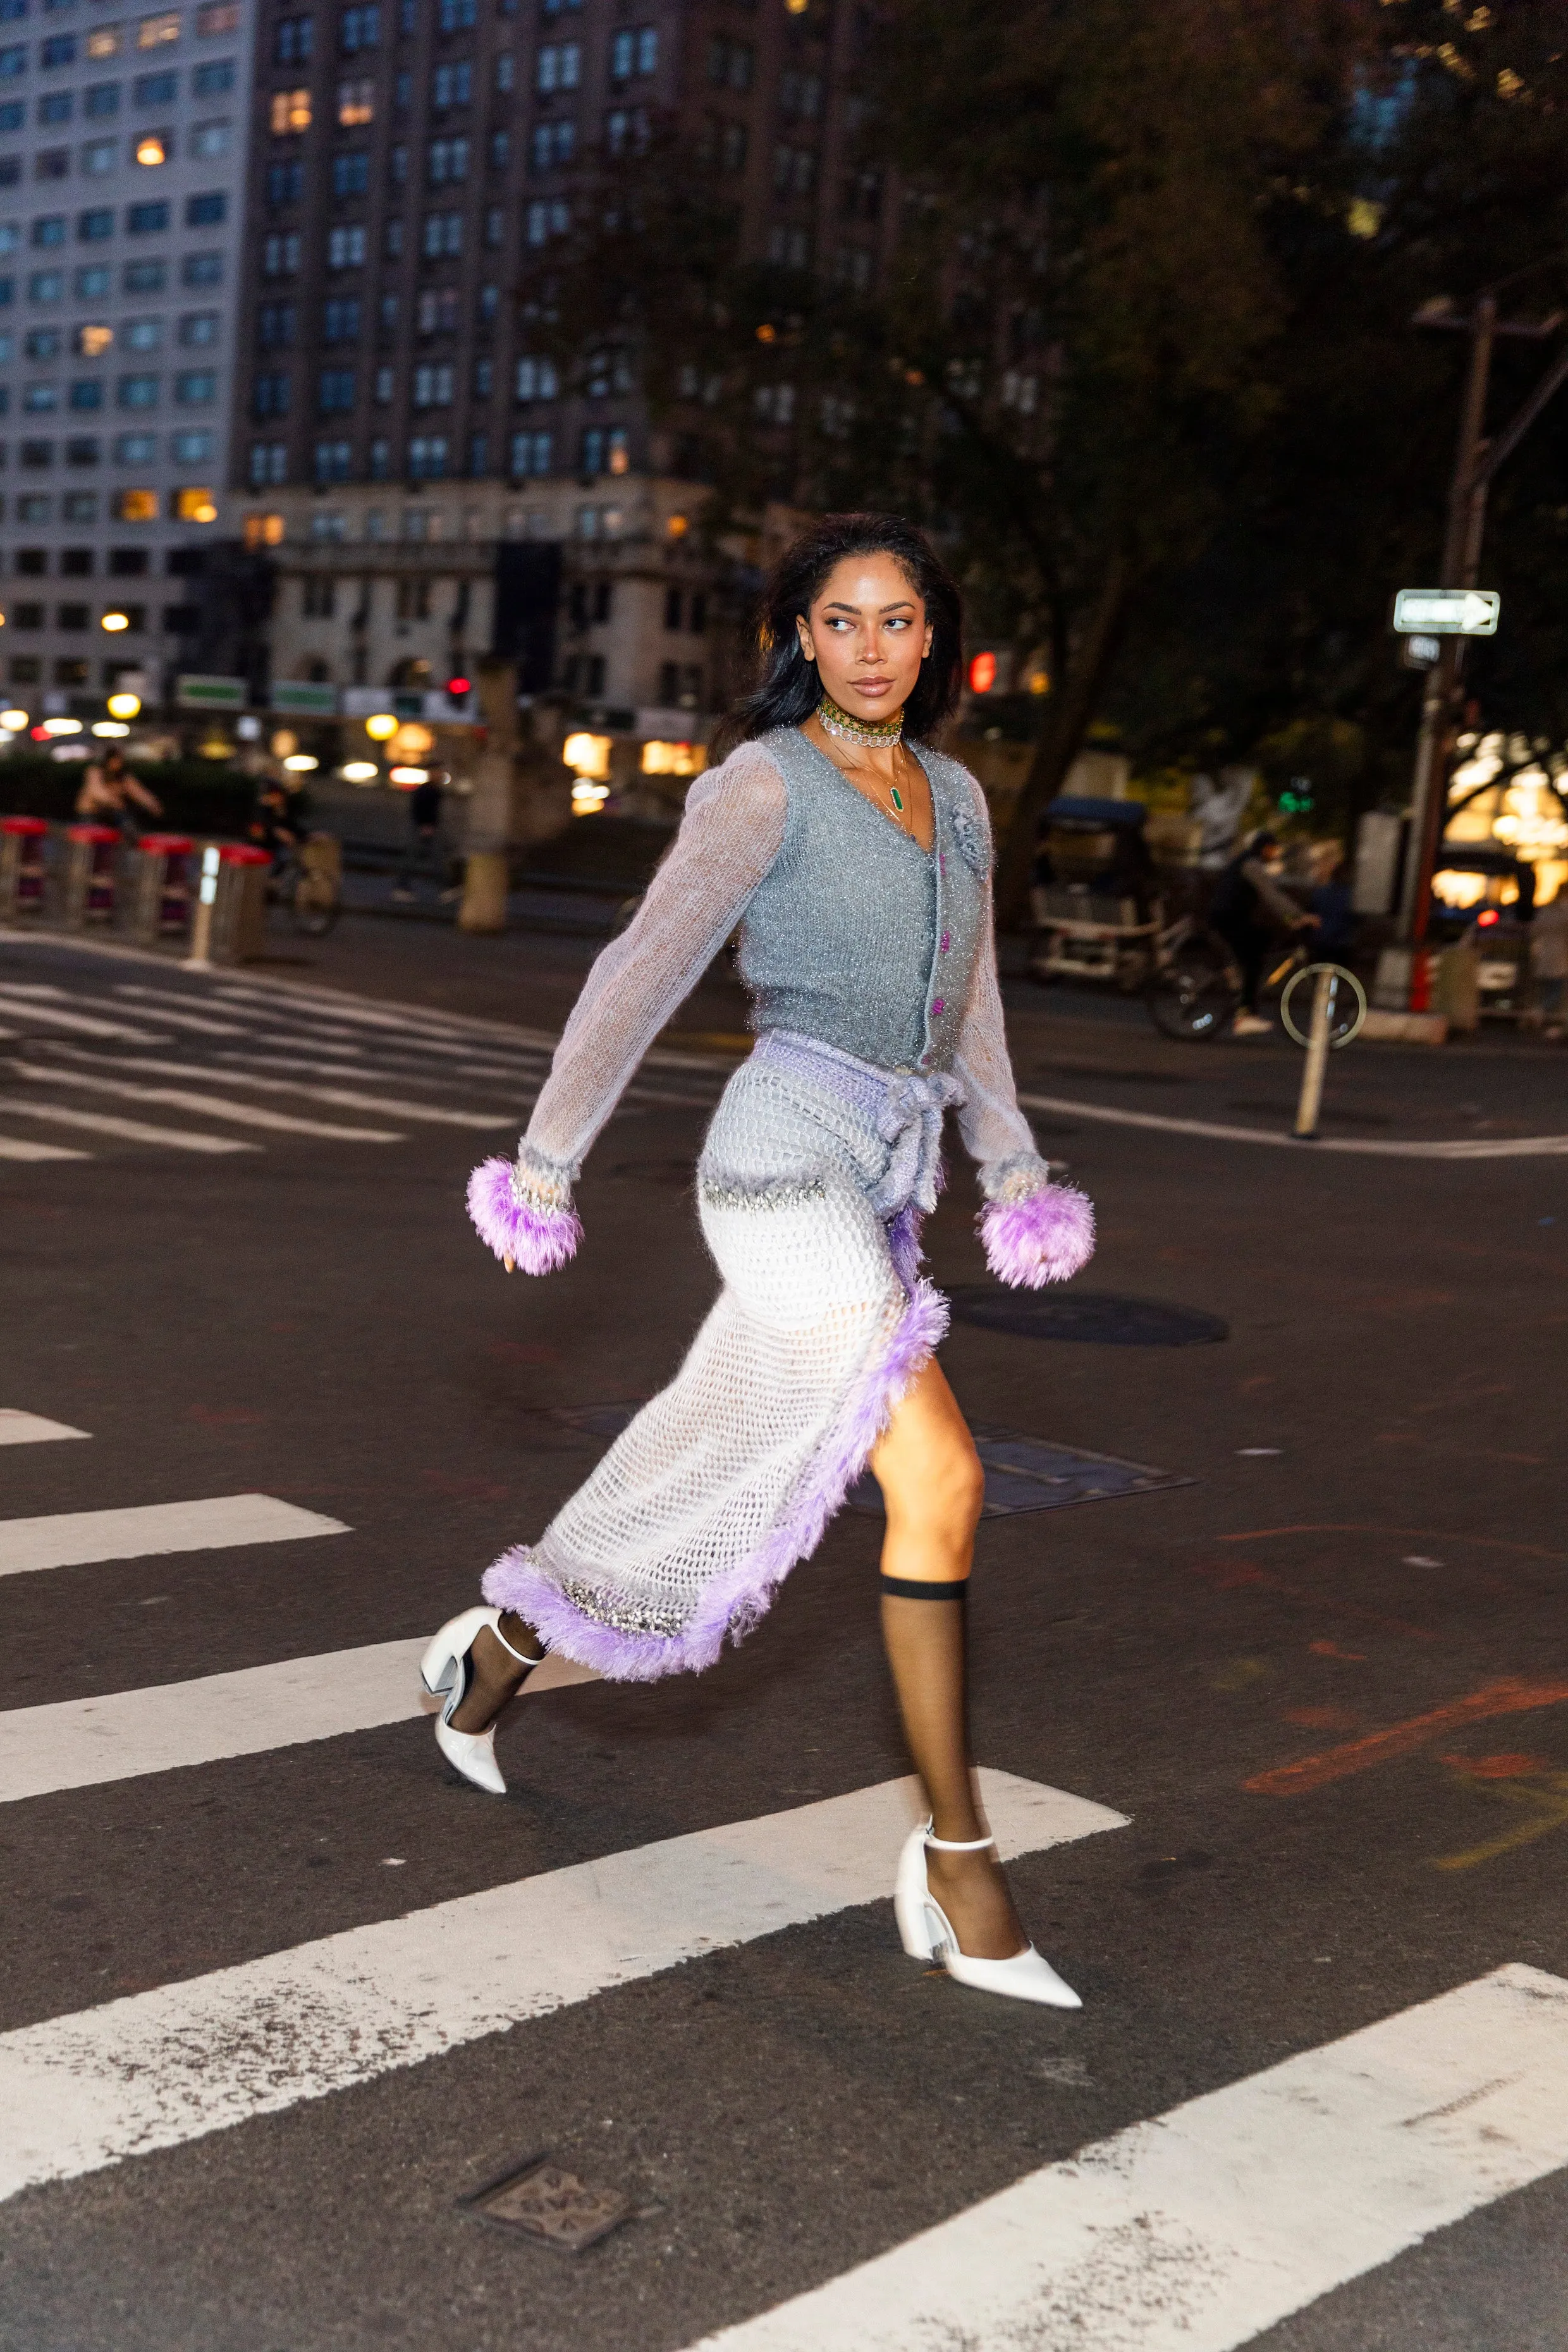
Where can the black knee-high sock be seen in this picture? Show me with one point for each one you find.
(923, 1628)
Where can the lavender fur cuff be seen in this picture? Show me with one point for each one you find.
(1047, 1237)
(510, 1217)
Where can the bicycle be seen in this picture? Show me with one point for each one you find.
(305, 879)
(1195, 989)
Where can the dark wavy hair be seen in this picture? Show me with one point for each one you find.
(787, 690)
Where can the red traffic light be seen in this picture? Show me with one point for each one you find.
(982, 673)
(457, 686)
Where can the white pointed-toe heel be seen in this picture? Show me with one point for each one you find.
(444, 1671)
(926, 1932)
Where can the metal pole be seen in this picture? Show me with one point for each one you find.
(1461, 556)
(200, 957)
(1317, 1064)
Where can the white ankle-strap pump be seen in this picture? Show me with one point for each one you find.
(444, 1670)
(927, 1934)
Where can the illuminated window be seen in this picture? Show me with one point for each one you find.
(153, 32)
(195, 505)
(153, 147)
(90, 342)
(263, 529)
(136, 505)
(290, 110)
(105, 41)
(356, 103)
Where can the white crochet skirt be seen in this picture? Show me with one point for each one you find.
(816, 1173)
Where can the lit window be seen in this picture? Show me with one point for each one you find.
(153, 147)
(356, 103)
(153, 32)
(136, 505)
(91, 342)
(105, 41)
(195, 505)
(290, 110)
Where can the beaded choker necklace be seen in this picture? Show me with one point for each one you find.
(880, 733)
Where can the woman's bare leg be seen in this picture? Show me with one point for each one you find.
(932, 1487)
(493, 1672)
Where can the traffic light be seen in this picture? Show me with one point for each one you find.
(458, 690)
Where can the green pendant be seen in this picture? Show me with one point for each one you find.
(898, 798)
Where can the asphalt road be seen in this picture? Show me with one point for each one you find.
(1324, 1684)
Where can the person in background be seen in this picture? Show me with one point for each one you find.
(1330, 900)
(424, 829)
(108, 788)
(275, 825)
(1549, 959)
(1249, 911)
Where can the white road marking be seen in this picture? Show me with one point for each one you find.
(84, 1024)
(1200, 2230)
(1511, 1147)
(210, 1106)
(398, 1108)
(13, 1148)
(18, 1428)
(182, 1020)
(457, 1076)
(72, 1539)
(130, 1130)
(160, 2068)
(171, 1727)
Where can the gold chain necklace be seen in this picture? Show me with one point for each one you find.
(879, 734)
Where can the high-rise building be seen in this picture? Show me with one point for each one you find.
(122, 156)
(428, 482)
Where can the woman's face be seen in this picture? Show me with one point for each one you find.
(868, 634)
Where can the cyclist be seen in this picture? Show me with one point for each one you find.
(108, 789)
(1250, 911)
(275, 825)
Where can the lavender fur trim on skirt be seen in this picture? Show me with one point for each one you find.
(1048, 1238)
(736, 1600)
(537, 1238)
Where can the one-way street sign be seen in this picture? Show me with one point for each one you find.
(1447, 612)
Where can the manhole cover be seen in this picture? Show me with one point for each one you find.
(1097, 1315)
(539, 2199)
(1026, 1474)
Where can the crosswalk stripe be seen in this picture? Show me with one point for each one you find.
(209, 1106)
(73, 1539)
(1196, 2231)
(310, 1066)
(130, 1130)
(430, 1113)
(174, 1726)
(181, 1020)
(18, 1428)
(85, 1024)
(14, 1147)
(160, 2068)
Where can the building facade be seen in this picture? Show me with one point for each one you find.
(399, 440)
(123, 141)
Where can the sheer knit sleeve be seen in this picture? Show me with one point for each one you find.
(1034, 1231)
(729, 837)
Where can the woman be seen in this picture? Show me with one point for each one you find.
(855, 860)
(107, 787)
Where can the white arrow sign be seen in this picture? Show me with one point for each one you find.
(1447, 612)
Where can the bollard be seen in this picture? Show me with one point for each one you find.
(160, 893)
(239, 903)
(201, 954)
(1338, 1008)
(22, 841)
(91, 851)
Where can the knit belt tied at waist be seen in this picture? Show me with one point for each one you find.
(905, 1107)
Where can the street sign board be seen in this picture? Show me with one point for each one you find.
(193, 693)
(304, 699)
(1447, 612)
